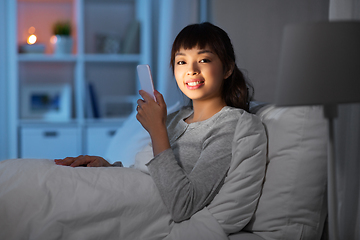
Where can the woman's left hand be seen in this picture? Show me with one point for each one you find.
(83, 161)
(151, 114)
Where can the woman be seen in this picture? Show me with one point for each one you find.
(192, 147)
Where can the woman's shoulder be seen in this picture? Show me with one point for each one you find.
(247, 121)
(240, 117)
(228, 113)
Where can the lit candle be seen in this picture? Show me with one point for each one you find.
(32, 46)
(32, 38)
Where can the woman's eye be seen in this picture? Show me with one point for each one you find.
(204, 60)
(180, 62)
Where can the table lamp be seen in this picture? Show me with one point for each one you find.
(320, 65)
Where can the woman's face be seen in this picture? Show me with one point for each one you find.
(199, 73)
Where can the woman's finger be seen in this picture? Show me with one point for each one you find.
(160, 99)
(146, 96)
(80, 161)
(140, 102)
(95, 163)
(65, 161)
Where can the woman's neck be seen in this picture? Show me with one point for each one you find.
(205, 109)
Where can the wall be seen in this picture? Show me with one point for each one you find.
(347, 139)
(255, 27)
(3, 86)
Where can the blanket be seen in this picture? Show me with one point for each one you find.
(41, 200)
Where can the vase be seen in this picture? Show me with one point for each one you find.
(63, 45)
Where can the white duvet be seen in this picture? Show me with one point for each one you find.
(40, 200)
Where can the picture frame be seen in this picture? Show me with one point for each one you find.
(51, 102)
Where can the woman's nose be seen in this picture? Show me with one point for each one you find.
(193, 70)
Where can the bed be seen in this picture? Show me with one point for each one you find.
(41, 200)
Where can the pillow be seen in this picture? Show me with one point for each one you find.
(293, 200)
(130, 139)
(143, 157)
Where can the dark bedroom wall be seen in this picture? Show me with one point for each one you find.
(255, 27)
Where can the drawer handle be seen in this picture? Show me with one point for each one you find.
(50, 134)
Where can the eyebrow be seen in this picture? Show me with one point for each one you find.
(205, 51)
(199, 52)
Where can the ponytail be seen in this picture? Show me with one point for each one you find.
(236, 90)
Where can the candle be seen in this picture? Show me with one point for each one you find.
(32, 46)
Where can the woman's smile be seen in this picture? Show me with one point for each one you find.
(194, 84)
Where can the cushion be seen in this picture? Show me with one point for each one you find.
(122, 147)
(293, 200)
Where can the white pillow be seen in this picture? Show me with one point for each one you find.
(293, 201)
(130, 139)
(143, 157)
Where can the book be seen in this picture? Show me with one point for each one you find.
(92, 106)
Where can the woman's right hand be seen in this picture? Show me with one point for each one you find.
(83, 161)
(152, 116)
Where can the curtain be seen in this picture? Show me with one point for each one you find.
(347, 138)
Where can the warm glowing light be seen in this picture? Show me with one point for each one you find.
(53, 39)
(31, 39)
(31, 30)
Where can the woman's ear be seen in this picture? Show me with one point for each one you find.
(229, 72)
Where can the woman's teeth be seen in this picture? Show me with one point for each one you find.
(193, 83)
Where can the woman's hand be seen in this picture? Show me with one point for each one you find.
(83, 161)
(152, 116)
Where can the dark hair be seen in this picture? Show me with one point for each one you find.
(235, 88)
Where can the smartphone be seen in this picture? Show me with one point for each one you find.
(146, 80)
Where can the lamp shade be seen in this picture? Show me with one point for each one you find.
(319, 64)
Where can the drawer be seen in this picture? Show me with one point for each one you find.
(98, 140)
(50, 142)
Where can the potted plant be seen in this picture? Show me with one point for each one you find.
(62, 39)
